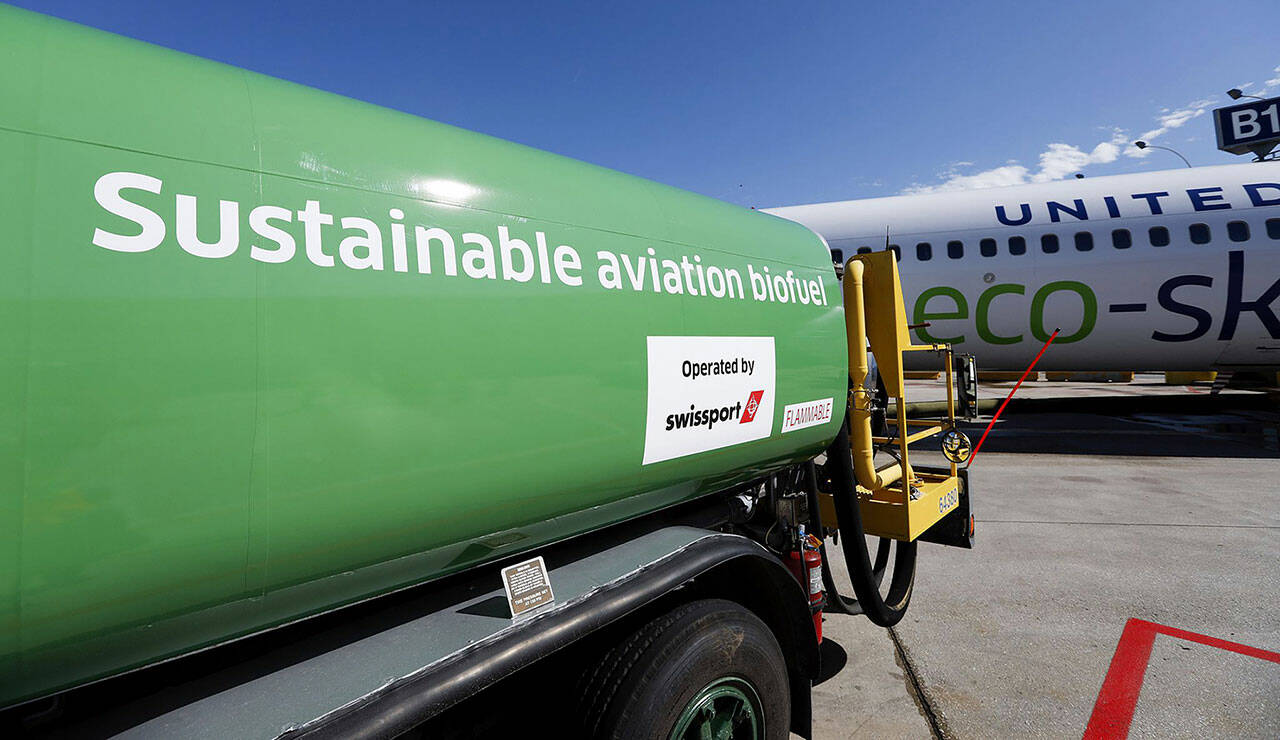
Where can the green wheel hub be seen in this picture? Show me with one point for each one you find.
(726, 709)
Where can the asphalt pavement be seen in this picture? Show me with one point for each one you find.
(1100, 507)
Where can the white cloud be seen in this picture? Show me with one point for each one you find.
(1057, 161)
(1269, 86)
(1271, 83)
(1060, 160)
(1169, 121)
(1013, 174)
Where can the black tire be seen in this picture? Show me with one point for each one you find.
(645, 684)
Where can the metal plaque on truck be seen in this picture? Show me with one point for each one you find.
(527, 585)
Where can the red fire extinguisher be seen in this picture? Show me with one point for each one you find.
(805, 563)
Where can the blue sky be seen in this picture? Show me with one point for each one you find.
(766, 103)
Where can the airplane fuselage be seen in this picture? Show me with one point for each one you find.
(1168, 270)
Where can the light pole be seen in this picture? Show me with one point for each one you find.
(1145, 145)
(1236, 93)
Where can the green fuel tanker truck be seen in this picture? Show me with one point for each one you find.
(318, 418)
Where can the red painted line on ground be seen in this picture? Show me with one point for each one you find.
(1221, 644)
(1118, 697)
(1016, 386)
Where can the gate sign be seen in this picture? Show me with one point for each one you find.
(1248, 127)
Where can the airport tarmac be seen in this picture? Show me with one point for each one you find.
(1099, 506)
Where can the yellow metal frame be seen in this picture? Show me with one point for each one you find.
(874, 316)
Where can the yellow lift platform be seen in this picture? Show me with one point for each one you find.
(896, 501)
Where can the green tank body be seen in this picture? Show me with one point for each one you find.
(268, 351)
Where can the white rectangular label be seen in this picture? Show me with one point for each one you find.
(706, 393)
(808, 414)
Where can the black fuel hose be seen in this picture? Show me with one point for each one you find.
(864, 575)
(837, 602)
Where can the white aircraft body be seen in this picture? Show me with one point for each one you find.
(1171, 270)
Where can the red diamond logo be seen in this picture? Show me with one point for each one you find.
(753, 405)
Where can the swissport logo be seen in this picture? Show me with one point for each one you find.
(753, 405)
(706, 393)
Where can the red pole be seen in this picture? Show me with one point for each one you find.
(1000, 410)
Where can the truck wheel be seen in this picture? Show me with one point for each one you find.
(706, 669)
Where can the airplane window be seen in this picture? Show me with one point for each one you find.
(1159, 236)
(1018, 245)
(1199, 233)
(864, 250)
(955, 250)
(1273, 228)
(1238, 231)
(1084, 241)
(924, 251)
(1121, 239)
(897, 252)
(987, 247)
(1049, 243)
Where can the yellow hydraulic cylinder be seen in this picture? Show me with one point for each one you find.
(860, 408)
